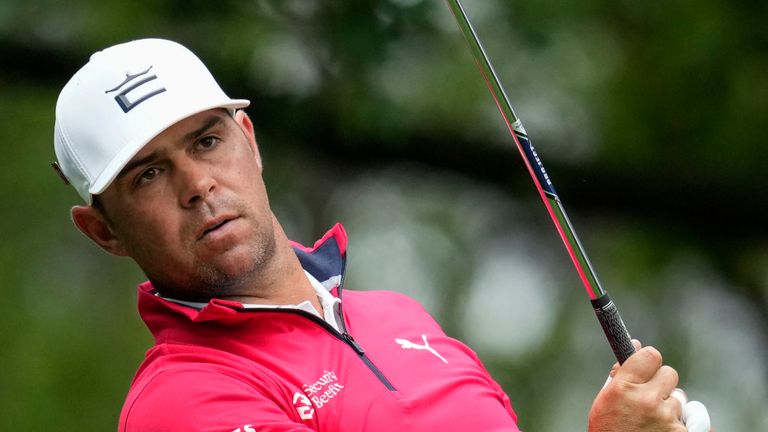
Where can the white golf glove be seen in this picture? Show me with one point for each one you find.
(695, 417)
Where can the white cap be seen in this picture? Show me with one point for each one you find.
(122, 98)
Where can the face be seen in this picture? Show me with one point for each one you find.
(192, 210)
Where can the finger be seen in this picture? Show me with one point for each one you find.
(614, 369)
(680, 395)
(671, 410)
(664, 382)
(641, 367)
(696, 417)
(636, 343)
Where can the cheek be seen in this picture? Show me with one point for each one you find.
(150, 235)
(244, 174)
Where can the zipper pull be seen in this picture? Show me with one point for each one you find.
(348, 338)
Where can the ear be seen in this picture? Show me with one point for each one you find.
(91, 222)
(242, 119)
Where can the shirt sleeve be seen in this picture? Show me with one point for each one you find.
(208, 401)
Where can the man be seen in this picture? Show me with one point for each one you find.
(251, 332)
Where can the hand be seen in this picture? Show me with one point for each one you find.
(638, 397)
(695, 416)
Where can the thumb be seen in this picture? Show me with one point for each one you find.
(640, 367)
(636, 343)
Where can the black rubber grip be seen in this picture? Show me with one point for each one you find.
(614, 328)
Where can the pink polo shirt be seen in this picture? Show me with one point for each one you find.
(389, 367)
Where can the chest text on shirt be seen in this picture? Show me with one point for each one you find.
(323, 389)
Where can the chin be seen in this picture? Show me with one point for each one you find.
(233, 273)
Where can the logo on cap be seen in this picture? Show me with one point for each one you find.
(122, 99)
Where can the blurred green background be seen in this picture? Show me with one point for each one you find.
(651, 118)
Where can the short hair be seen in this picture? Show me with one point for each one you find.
(98, 204)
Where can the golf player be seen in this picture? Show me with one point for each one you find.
(252, 331)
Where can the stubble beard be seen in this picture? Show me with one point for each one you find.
(215, 281)
(212, 280)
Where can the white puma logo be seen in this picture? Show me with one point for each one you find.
(406, 344)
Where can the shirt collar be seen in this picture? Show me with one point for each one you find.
(330, 304)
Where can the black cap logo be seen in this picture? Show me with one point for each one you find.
(122, 98)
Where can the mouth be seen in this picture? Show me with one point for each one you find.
(214, 225)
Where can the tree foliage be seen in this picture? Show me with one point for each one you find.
(650, 118)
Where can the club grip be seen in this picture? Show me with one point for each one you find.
(614, 328)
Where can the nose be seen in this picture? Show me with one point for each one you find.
(196, 182)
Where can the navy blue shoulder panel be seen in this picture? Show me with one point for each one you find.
(324, 262)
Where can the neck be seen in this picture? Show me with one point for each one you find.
(283, 281)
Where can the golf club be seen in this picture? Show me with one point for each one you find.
(605, 309)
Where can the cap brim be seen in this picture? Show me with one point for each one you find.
(116, 165)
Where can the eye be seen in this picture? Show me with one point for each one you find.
(147, 175)
(207, 143)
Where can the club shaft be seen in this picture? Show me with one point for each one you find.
(606, 311)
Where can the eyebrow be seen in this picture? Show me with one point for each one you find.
(137, 162)
(210, 123)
